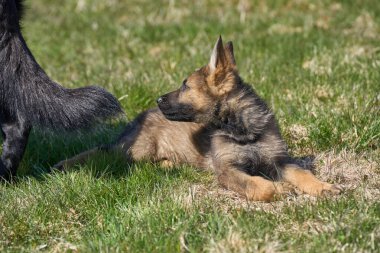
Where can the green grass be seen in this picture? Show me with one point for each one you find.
(317, 63)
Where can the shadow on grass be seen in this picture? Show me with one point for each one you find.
(46, 148)
(104, 165)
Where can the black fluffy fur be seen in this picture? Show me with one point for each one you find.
(28, 97)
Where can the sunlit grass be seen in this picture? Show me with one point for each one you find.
(317, 65)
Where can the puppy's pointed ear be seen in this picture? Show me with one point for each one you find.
(229, 51)
(218, 57)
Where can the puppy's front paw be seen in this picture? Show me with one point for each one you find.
(331, 189)
(264, 190)
(323, 188)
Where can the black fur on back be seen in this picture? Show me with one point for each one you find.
(27, 93)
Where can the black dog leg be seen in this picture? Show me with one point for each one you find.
(15, 136)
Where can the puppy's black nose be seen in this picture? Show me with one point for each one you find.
(160, 100)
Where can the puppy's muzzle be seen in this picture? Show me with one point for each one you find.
(161, 100)
(163, 103)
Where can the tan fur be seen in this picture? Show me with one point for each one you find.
(165, 140)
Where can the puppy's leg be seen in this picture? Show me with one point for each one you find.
(81, 158)
(252, 187)
(306, 181)
(15, 139)
(231, 174)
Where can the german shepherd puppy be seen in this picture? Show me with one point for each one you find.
(215, 121)
(28, 97)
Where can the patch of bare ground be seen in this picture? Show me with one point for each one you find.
(319, 65)
(357, 174)
(364, 26)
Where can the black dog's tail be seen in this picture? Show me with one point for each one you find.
(47, 104)
(28, 93)
(20, 8)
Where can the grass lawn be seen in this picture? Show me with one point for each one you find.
(317, 63)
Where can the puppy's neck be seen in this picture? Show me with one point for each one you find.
(243, 115)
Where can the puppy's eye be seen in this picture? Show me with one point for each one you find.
(184, 85)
